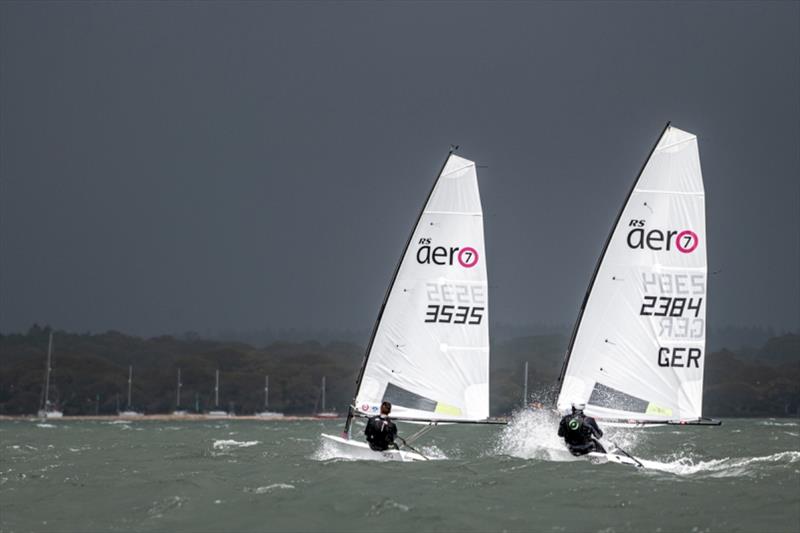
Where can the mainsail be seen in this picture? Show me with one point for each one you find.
(638, 349)
(429, 353)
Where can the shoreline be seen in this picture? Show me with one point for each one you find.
(168, 417)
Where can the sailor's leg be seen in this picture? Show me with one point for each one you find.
(578, 450)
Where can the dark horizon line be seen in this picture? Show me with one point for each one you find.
(226, 334)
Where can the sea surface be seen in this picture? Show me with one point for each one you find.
(229, 475)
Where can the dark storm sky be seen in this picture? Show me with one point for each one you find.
(203, 166)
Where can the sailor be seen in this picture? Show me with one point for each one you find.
(380, 430)
(580, 432)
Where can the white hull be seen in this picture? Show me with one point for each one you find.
(612, 457)
(218, 414)
(356, 450)
(327, 414)
(127, 414)
(269, 414)
(50, 414)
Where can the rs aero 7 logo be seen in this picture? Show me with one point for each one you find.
(639, 238)
(466, 256)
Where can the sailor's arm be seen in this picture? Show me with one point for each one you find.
(595, 428)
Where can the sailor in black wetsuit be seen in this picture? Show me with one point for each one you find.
(381, 431)
(580, 432)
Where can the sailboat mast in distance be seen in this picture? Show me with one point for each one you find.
(323, 394)
(130, 381)
(266, 392)
(49, 369)
(47, 411)
(525, 388)
(178, 399)
(216, 390)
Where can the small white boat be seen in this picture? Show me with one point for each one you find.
(130, 414)
(269, 414)
(357, 450)
(50, 413)
(218, 414)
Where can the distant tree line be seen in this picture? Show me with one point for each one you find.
(90, 373)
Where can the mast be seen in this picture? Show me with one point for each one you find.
(525, 388)
(266, 392)
(216, 391)
(577, 326)
(323, 394)
(47, 373)
(130, 381)
(349, 420)
(178, 399)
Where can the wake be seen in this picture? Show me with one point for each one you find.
(725, 467)
(533, 435)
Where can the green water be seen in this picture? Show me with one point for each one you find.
(276, 476)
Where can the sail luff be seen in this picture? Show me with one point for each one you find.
(430, 353)
(637, 350)
(582, 310)
(349, 420)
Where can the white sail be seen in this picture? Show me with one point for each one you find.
(639, 349)
(430, 352)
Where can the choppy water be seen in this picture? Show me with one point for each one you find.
(276, 476)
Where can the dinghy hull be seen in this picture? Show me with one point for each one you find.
(612, 457)
(360, 451)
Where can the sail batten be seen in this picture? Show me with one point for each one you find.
(638, 350)
(429, 355)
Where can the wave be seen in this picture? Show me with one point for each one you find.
(775, 423)
(725, 467)
(271, 488)
(534, 435)
(227, 444)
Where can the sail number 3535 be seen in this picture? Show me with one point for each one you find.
(454, 314)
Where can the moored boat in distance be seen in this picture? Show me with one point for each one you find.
(48, 410)
(217, 412)
(266, 413)
(178, 410)
(129, 411)
(324, 413)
